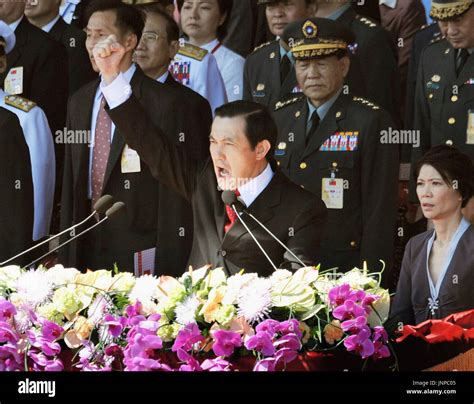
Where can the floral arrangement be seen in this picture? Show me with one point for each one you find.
(108, 320)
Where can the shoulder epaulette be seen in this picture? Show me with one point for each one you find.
(366, 102)
(437, 38)
(280, 105)
(367, 21)
(192, 51)
(20, 102)
(262, 45)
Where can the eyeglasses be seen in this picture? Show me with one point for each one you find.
(150, 37)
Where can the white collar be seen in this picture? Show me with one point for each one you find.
(211, 45)
(50, 25)
(14, 24)
(252, 189)
(388, 3)
(163, 77)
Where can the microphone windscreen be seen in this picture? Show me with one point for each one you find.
(229, 197)
(105, 202)
(116, 208)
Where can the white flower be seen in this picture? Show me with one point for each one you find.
(23, 319)
(357, 279)
(279, 275)
(186, 310)
(8, 276)
(234, 284)
(123, 282)
(144, 289)
(97, 309)
(255, 300)
(60, 276)
(381, 308)
(33, 287)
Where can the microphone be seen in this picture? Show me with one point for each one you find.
(230, 198)
(102, 204)
(116, 208)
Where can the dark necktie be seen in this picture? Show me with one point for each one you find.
(461, 59)
(314, 125)
(231, 215)
(100, 153)
(285, 67)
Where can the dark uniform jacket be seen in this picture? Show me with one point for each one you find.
(364, 229)
(16, 190)
(374, 69)
(262, 76)
(79, 64)
(154, 215)
(411, 305)
(443, 100)
(44, 64)
(295, 216)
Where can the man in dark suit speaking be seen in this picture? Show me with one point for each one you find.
(242, 140)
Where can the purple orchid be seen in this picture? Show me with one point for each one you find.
(10, 358)
(191, 364)
(50, 331)
(285, 355)
(269, 326)
(348, 310)
(290, 327)
(265, 365)
(261, 342)
(381, 350)
(7, 310)
(226, 342)
(360, 343)
(216, 365)
(134, 310)
(380, 334)
(115, 325)
(7, 334)
(339, 294)
(187, 338)
(289, 341)
(353, 326)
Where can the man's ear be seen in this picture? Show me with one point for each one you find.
(130, 42)
(346, 64)
(174, 48)
(3, 64)
(262, 149)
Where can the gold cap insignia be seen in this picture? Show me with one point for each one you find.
(310, 30)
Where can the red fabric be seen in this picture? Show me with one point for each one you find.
(459, 326)
(231, 215)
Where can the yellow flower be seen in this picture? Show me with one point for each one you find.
(80, 332)
(333, 332)
(211, 307)
(306, 331)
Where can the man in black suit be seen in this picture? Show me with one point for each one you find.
(44, 63)
(16, 188)
(45, 15)
(154, 214)
(74, 12)
(242, 143)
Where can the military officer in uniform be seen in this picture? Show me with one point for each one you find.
(40, 144)
(444, 99)
(335, 145)
(269, 73)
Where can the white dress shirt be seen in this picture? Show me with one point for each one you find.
(388, 3)
(43, 164)
(102, 89)
(252, 189)
(231, 66)
(14, 24)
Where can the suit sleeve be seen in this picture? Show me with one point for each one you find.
(16, 185)
(168, 163)
(247, 95)
(379, 195)
(308, 229)
(402, 308)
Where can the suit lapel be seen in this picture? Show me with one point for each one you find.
(289, 84)
(82, 121)
(58, 29)
(21, 36)
(118, 142)
(467, 71)
(328, 126)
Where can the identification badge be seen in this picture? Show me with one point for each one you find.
(470, 127)
(333, 193)
(130, 161)
(144, 262)
(14, 81)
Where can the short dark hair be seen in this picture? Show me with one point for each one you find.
(128, 18)
(259, 124)
(172, 29)
(225, 7)
(452, 165)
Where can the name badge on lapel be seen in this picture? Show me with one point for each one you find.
(333, 193)
(130, 162)
(470, 127)
(14, 81)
